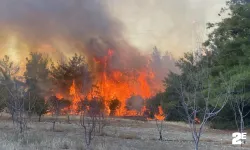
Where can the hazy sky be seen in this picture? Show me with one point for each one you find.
(167, 24)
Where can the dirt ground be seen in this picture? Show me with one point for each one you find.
(119, 134)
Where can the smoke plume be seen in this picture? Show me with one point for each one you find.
(67, 26)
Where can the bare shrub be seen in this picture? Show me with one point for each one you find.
(239, 103)
(56, 106)
(88, 120)
(16, 105)
(92, 119)
(195, 89)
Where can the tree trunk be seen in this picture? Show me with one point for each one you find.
(241, 125)
(88, 147)
(13, 119)
(29, 115)
(53, 128)
(68, 119)
(160, 136)
(39, 118)
(196, 145)
(100, 124)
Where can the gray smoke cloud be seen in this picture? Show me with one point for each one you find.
(40, 20)
(85, 25)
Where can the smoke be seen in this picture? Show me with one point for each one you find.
(68, 26)
(92, 27)
(135, 103)
(173, 25)
(39, 21)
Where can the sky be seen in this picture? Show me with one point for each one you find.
(171, 25)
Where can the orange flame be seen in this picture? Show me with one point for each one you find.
(197, 120)
(160, 116)
(76, 97)
(116, 84)
(59, 96)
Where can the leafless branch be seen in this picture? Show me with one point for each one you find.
(192, 94)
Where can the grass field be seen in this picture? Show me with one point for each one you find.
(119, 134)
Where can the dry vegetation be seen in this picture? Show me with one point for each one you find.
(123, 134)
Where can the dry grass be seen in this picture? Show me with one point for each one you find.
(122, 134)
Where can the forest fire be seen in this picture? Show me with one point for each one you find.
(120, 71)
(114, 84)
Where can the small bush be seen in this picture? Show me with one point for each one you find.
(114, 105)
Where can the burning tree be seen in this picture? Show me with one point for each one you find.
(159, 119)
(154, 102)
(71, 79)
(156, 112)
(64, 73)
(74, 79)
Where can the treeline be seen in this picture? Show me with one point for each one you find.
(45, 84)
(35, 93)
(216, 76)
